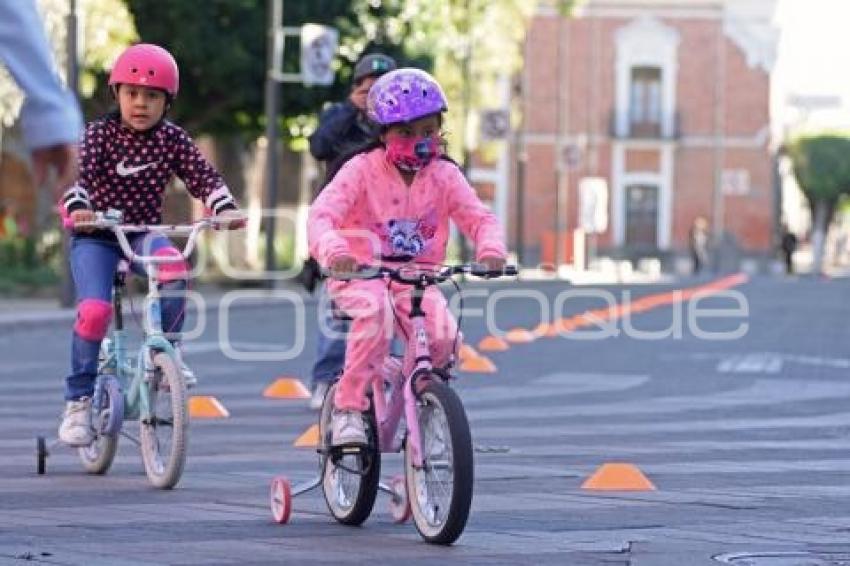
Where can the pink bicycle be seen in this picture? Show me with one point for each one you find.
(437, 485)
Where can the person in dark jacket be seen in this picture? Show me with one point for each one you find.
(342, 129)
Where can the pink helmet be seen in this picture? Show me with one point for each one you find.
(404, 95)
(148, 65)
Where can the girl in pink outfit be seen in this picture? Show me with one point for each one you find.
(392, 203)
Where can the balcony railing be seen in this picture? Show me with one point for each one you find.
(623, 127)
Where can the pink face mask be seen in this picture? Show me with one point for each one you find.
(412, 154)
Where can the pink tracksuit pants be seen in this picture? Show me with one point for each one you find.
(377, 312)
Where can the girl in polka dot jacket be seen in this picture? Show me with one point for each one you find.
(126, 160)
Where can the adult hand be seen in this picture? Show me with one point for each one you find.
(63, 158)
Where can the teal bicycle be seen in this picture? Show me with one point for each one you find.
(148, 387)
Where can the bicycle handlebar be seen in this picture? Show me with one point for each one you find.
(113, 223)
(412, 276)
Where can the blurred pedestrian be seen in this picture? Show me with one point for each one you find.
(698, 242)
(50, 117)
(343, 128)
(789, 246)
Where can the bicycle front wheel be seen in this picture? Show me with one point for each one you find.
(97, 457)
(164, 436)
(440, 492)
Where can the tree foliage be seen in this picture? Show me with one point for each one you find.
(821, 166)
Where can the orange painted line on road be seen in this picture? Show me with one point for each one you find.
(493, 344)
(520, 336)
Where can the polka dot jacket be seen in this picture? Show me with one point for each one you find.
(127, 170)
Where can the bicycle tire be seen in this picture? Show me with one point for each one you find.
(164, 473)
(362, 489)
(98, 456)
(437, 397)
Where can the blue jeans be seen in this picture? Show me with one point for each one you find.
(330, 354)
(93, 265)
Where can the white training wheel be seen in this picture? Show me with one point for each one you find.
(399, 503)
(281, 500)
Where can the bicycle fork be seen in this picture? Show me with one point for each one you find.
(422, 368)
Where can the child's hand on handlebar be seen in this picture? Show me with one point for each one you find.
(230, 219)
(493, 263)
(82, 216)
(343, 265)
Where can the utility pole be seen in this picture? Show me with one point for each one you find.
(274, 62)
(560, 192)
(466, 71)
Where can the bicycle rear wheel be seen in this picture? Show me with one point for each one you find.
(349, 482)
(164, 437)
(98, 456)
(440, 492)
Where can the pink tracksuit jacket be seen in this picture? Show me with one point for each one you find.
(369, 213)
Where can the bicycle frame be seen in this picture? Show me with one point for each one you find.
(133, 377)
(388, 414)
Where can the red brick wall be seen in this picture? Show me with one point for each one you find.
(589, 74)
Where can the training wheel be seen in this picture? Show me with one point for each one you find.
(41, 454)
(281, 500)
(399, 503)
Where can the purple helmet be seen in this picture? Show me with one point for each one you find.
(404, 95)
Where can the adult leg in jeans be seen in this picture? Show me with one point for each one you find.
(330, 354)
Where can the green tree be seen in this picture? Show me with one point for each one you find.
(473, 43)
(822, 169)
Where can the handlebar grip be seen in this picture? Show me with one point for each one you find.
(509, 270)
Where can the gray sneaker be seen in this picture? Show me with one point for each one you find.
(317, 399)
(347, 428)
(75, 429)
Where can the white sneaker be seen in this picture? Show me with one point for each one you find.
(347, 428)
(188, 375)
(318, 397)
(75, 429)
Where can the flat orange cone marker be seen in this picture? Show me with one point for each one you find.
(206, 407)
(520, 336)
(467, 352)
(286, 388)
(481, 364)
(493, 344)
(309, 438)
(615, 476)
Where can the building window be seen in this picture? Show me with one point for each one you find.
(642, 216)
(645, 102)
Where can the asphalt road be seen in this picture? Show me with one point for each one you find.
(745, 439)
